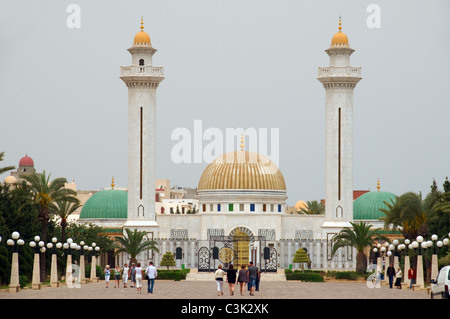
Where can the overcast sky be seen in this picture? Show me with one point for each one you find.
(246, 63)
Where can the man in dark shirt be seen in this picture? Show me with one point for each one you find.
(391, 273)
(252, 275)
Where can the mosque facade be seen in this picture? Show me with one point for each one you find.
(239, 213)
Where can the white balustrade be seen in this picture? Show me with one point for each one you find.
(147, 70)
(340, 71)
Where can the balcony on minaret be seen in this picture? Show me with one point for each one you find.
(331, 75)
(354, 71)
(143, 70)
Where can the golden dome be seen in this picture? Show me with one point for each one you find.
(10, 180)
(242, 170)
(300, 204)
(340, 38)
(142, 37)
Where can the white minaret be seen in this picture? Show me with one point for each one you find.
(339, 80)
(142, 80)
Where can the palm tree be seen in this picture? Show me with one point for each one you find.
(313, 208)
(134, 243)
(410, 214)
(360, 236)
(63, 209)
(43, 194)
(7, 168)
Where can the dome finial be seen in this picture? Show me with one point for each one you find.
(340, 24)
(112, 183)
(142, 23)
(242, 143)
(378, 185)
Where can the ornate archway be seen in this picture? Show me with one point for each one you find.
(242, 238)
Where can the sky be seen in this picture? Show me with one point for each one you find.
(230, 64)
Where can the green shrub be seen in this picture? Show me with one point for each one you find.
(349, 275)
(173, 274)
(23, 281)
(303, 276)
(98, 271)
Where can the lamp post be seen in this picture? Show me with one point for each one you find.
(420, 279)
(54, 282)
(387, 254)
(37, 244)
(434, 259)
(94, 250)
(406, 246)
(395, 252)
(14, 285)
(69, 245)
(83, 247)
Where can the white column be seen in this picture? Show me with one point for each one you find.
(93, 269)
(69, 270)
(82, 270)
(54, 272)
(14, 285)
(434, 266)
(192, 254)
(296, 247)
(289, 253)
(36, 282)
(407, 267)
(420, 279)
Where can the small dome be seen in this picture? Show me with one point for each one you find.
(11, 180)
(26, 161)
(109, 203)
(300, 204)
(142, 37)
(368, 205)
(340, 38)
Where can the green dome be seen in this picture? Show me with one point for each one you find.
(109, 203)
(367, 206)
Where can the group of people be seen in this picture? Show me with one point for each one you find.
(245, 277)
(136, 274)
(391, 273)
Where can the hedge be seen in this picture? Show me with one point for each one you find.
(172, 274)
(303, 276)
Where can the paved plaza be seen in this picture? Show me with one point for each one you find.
(165, 289)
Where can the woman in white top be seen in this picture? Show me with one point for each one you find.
(125, 271)
(218, 276)
(139, 278)
(398, 279)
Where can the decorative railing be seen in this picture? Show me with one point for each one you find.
(340, 71)
(144, 70)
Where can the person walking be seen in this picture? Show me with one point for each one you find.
(133, 275)
(125, 271)
(390, 272)
(117, 277)
(398, 279)
(242, 279)
(218, 276)
(138, 270)
(107, 275)
(151, 274)
(412, 277)
(252, 276)
(258, 278)
(231, 279)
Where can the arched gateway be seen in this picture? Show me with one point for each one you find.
(239, 248)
